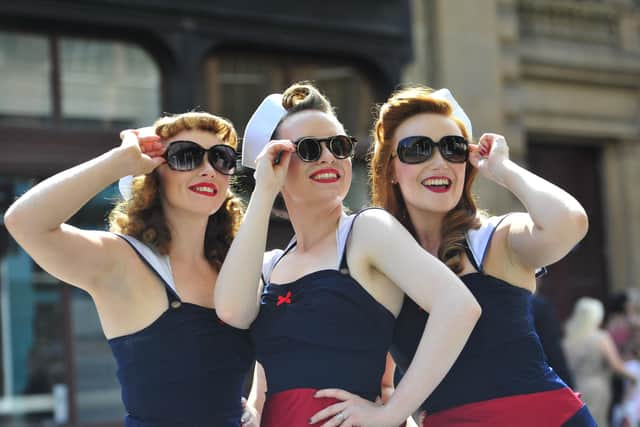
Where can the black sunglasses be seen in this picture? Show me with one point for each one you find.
(188, 155)
(309, 149)
(418, 149)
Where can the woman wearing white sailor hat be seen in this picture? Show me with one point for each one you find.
(322, 310)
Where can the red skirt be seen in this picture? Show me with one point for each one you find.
(549, 409)
(293, 408)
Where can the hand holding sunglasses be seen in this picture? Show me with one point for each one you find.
(146, 150)
(272, 165)
(489, 156)
(188, 155)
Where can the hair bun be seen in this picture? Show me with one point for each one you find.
(296, 94)
(305, 96)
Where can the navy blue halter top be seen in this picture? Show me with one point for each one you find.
(185, 369)
(322, 330)
(503, 356)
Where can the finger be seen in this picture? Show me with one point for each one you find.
(328, 412)
(148, 138)
(243, 402)
(124, 132)
(335, 393)
(485, 140)
(157, 161)
(155, 147)
(474, 158)
(273, 148)
(284, 159)
(146, 131)
(485, 147)
(350, 422)
(334, 422)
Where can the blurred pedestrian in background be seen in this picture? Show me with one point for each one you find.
(593, 357)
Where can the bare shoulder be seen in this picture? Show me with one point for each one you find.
(379, 237)
(515, 221)
(500, 261)
(374, 225)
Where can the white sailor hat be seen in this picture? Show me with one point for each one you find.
(260, 128)
(458, 112)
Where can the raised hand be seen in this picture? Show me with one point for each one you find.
(489, 156)
(272, 164)
(144, 148)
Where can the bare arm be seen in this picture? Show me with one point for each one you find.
(257, 396)
(36, 220)
(443, 296)
(387, 386)
(555, 221)
(453, 312)
(613, 358)
(258, 392)
(238, 284)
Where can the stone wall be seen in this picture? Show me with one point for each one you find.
(563, 69)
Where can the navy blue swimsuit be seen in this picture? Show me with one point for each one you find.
(502, 359)
(323, 330)
(185, 369)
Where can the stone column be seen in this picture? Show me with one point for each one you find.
(621, 196)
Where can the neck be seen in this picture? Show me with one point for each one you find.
(428, 228)
(187, 235)
(312, 223)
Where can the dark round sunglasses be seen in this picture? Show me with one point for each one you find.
(188, 155)
(418, 149)
(309, 149)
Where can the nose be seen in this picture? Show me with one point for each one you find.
(326, 156)
(206, 168)
(437, 160)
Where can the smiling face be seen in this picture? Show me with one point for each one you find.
(435, 185)
(327, 179)
(201, 190)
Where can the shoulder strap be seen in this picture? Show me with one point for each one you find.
(478, 241)
(271, 258)
(159, 264)
(343, 234)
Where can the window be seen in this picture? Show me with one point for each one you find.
(99, 83)
(107, 83)
(50, 335)
(25, 67)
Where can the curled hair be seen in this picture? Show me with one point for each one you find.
(402, 105)
(303, 96)
(142, 215)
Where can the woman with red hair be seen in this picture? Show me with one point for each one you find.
(422, 170)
